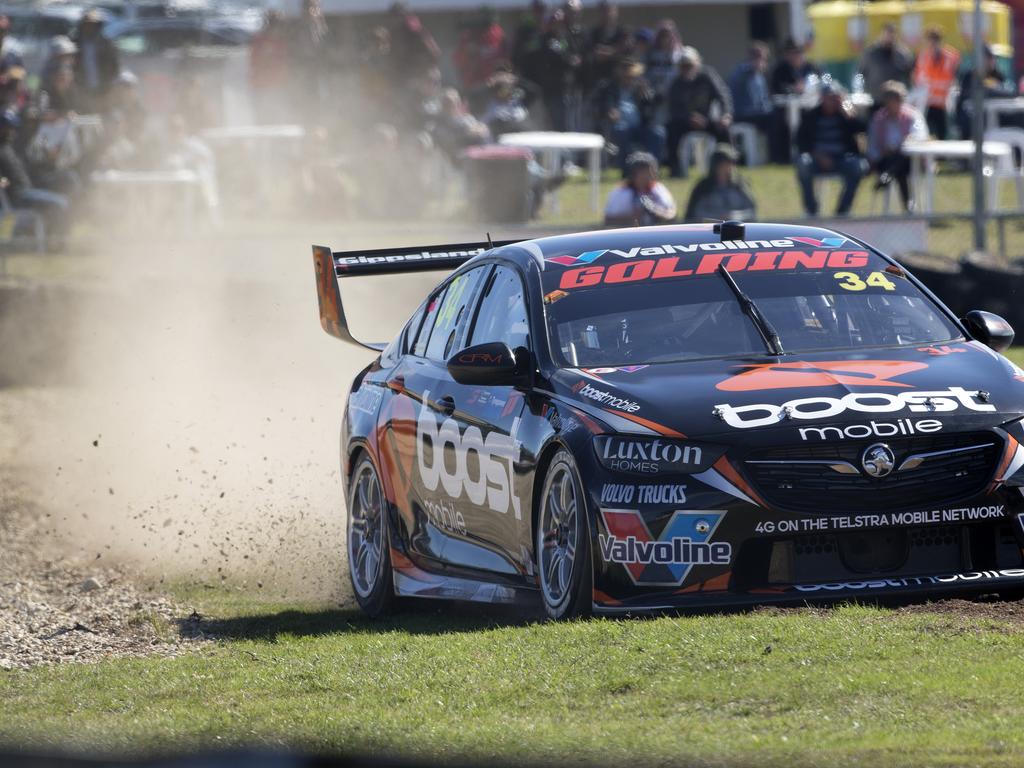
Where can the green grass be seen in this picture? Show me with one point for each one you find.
(853, 685)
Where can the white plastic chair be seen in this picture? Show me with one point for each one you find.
(748, 137)
(697, 145)
(1007, 168)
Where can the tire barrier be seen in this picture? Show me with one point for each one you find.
(977, 281)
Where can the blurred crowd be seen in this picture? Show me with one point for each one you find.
(417, 111)
(649, 90)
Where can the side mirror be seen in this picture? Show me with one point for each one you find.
(490, 364)
(991, 330)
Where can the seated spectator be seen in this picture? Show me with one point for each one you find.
(894, 123)
(641, 199)
(10, 56)
(995, 85)
(752, 99)
(827, 143)
(698, 100)
(721, 194)
(791, 73)
(125, 103)
(625, 108)
(13, 93)
(455, 128)
(508, 109)
(663, 58)
(54, 152)
(18, 184)
(59, 93)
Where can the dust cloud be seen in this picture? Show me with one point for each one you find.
(195, 431)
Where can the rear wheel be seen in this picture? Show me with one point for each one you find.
(369, 558)
(563, 542)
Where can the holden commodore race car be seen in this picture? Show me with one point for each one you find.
(677, 417)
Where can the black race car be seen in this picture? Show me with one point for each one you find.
(674, 417)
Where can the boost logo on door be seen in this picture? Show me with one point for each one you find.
(487, 479)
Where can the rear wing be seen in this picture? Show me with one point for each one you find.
(331, 266)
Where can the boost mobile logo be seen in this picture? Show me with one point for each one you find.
(496, 456)
(809, 408)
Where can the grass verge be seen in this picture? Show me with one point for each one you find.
(852, 685)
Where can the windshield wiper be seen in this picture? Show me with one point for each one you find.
(764, 327)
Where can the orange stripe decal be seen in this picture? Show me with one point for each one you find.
(729, 473)
(659, 428)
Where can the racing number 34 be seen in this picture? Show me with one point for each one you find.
(851, 281)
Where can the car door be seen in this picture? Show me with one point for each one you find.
(482, 455)
(421, 431)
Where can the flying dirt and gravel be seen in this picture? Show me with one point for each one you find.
(171, 414)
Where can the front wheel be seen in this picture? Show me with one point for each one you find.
(563, 542)
(369, 556)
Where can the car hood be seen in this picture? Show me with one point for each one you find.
(960, 385)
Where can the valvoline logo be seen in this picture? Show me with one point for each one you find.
(584, 258)
(684, 542)
(826, 242)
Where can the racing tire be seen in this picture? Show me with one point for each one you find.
(366, 541)
(562, 542)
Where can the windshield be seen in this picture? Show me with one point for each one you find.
(861, 302)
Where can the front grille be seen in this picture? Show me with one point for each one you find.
(817, 488)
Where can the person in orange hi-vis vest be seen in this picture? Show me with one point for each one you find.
(936, 70)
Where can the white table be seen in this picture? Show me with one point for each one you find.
(550, 145)
(995, 107)
(269, 149)
(923, 155)
(150, 196)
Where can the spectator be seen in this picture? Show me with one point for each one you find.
(8, 56)
(885, 60)
(752, 99)
(413, 48)
(894, 123)
(480, 51)
(456, 128)
(791, 73)
(528, 34)
(994, 84)
(54, 207)
(268, 71)
(97, 63)
(641, 199)
(555, 68)
(721, 194)
(698, 100)
(640, 44)
(509, 107)
(827, 143)
(604, 41)
(625, 111)
(13, 93)
(935, 71)
(574, 39)
(663, 58)
(54, 152)
(60, 93)
(126, 106)
(308, 49)
(60, 51)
